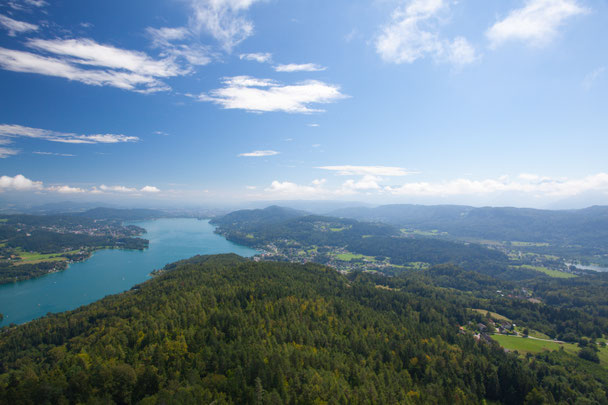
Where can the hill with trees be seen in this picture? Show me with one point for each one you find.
(225, 330)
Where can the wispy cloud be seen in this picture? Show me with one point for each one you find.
(8, 131)
(7, 152)
(412, 34)
(88, 52)
(593, 77)
(536, 23)
(223, 19)
(260, 153)
(349, 170)
(36, 3)
(265, 95)
(304, 67)
(89, 62)
(53, 154)
(15, 27)
(26, 4)
(256, 57)
(178, 42)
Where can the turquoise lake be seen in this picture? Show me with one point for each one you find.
(112, 271)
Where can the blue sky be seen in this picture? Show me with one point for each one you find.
(501, 102)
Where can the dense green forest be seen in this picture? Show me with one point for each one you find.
(221, 329)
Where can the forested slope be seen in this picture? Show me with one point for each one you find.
(223, 329)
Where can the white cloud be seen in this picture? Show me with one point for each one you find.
(22, 183)
(36, 3)
(293, 190)
(15, 27)
(412, 34)
(22, 5)
(304, 67)
(223, 19)
(527, 183)
(264, 95)
(459, 52)
(368, 182)
(250, 187)
(349, 170)
(260, 153)
(256, 57)
(124, 190)
(190, 51)
(27, 62)
(89, 62)
(66, 189)
(117, 189)
(88, 52)
(313, 125)
(165, 35)
(593, 77)
(150, 189)
(536, 23)
(531, 185)
(7, 152)
(53, 154)
(15, 131)
(19, 183)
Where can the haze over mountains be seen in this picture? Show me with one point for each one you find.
(587, 226)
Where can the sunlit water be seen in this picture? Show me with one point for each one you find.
(112, 271)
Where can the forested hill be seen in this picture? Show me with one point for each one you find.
(251, 218)
(220, 329)
(296, 237)
(587, 227)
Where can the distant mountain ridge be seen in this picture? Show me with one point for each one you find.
(269, 215)
(131, 214)
(587, 226)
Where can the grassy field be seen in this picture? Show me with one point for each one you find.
(526, 345)
(433, 232)
(347, 257)
(548, 272)
(532, 333)
(34, 257)
(494, 315)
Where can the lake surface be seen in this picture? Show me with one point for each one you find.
(112, 271)
(592, 267)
